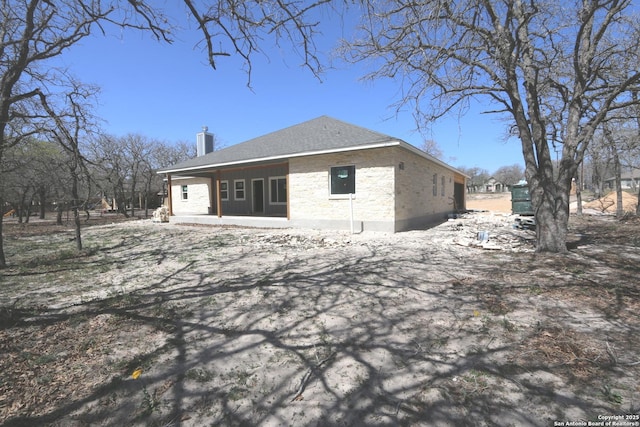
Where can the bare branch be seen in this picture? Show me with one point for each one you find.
(557, 70)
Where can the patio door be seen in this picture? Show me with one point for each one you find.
(257, 189)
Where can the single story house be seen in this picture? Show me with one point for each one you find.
(494, 186)
(628, 180)
(323, 174)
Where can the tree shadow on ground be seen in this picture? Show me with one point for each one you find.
(348, 335)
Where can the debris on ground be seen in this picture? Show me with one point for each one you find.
(233, 326)
(525, 223)
(485, 230)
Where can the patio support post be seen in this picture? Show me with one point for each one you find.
(287, 186)
(169, 198)
(212, 195)
(218, 196)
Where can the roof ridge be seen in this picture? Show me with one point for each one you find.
(315, 119)
(321, 134)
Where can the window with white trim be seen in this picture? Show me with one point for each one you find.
(278, 190)
(238, 186)
(185, 192)
(224, 190)
(343, 180)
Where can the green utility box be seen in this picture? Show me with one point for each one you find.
(521, 200)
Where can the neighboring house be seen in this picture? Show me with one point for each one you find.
(494, 186)
(323, 173)
(627, 180)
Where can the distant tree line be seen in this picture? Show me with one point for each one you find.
(505, 175)
(115, 173)
(614, 154)
(562, 75)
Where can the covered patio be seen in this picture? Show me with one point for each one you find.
(233, 194)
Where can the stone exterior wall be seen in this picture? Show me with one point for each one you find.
(312, 205)
(394, 191)
(198, 196)
(416, 203)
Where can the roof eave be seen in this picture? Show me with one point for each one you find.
(427, 156)
(389, 143)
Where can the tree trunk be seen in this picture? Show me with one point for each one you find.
(29, 206)
(22, 204)
(132, 200)
(551, 208)
(549, 189)
(579, 178)
(59, 214)
(578, 197)
(122, 206)
(76, 220)
(3, 262)
(618, 180)
(75, 206)
(121, 200)
(42, 192)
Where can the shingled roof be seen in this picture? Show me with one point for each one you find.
(319, 135)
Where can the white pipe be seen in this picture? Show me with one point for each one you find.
(351, 210)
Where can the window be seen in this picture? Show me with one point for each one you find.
(238, 185)
(185, 192)
(224, 190)
(442, 184)
(435, 184)
(343, 180)
(278, 190)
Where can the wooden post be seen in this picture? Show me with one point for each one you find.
(212, 197)
(169, 198)
(287, 188)
(218, 195)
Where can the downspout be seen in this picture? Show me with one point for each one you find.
(351, 217)
(351, 212)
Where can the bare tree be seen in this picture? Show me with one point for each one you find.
(163, 154)
(613, 149)
(634, 96)
(138, 149)
(126, 168)
(432, 148)
(546, 65)
(71, 123)
(509, 175)
(33, 176)
(31, 33)
(623, 148)
(477, 177)
(35, 31)
(112, 169)
(599, 162)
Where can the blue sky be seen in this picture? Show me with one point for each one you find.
(169, 92)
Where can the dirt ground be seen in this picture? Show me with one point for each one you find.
(167, 325)
(501, 202)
